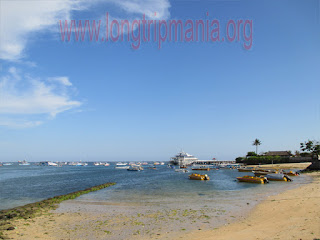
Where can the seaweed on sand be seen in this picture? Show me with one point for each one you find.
(31, 210)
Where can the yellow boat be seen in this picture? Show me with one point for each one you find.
(195, 176)
(291, 173)
(264, 172)
(251, 179)
(246, 169)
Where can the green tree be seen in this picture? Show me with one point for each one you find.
(312, 147)
(256, 143)
(250, 154)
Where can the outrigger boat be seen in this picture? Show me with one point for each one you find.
(278, 177)
(246, 169)
(135, 168)
(264, 172)
(181, 170)
(251, 179)
(291, 173)
(200, 168)
(195, 176)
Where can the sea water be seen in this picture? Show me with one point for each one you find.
(20, 185)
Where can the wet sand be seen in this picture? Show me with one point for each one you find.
(294, 214)
(289, 215)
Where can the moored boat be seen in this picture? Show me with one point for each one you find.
(122, 167)
(290, 173)
(24, 163)
(246, 169)
(195, 176)
(264, 172)
(121, 164)
(135, 168)
(200, 168)
(181, 170)
(251, 179)
(7, 164)
(278, 177)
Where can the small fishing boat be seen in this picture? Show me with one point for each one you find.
(137, 169)
(290, 173)
(251, 179)
(121, 164)
(81, 164)
(200, 168)
(264, 172)
(181, 170)
(7, 164)
(122, 167)
(246, 169)
(278, 177)
(195, 176)
(24, 163)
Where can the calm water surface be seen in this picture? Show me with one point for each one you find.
(20, 185)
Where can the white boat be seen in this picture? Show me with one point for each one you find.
(183, 170)
(52, 164)
(48, 164)
(24, 163)
(7, 164)
(106, 164)
(122, 167)
(183, 159)
(121, 164)
(81, 164)
(162, 163)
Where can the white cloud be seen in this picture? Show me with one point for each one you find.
(148, 7)
(30, 97)
(19, 123)
(62, 80)
(20, 18)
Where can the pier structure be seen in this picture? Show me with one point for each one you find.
(214, 162)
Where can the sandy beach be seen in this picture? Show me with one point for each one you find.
(293, 214)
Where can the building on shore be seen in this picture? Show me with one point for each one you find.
(278, 153)
(214, 162)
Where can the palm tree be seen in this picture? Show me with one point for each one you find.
(256, 143)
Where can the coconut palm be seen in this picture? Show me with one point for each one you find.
(256, 143)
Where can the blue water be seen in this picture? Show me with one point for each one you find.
(20, 185)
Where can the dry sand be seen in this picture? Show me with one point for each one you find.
(294, 214)
(284, 165)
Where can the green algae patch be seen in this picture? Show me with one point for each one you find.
(38, 208)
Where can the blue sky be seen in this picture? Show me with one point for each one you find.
(70, 101)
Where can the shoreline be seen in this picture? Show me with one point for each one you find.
(100, 220)
(293, 214)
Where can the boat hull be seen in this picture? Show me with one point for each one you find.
(250, 179)
(278, 177)
(201, 177)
